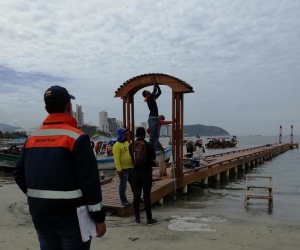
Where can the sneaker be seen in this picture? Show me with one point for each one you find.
(142, 200)
(152, 222)
(137, 221)
(126, 203)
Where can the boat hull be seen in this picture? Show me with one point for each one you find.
(217, 146)
(108, 162)
(8, 162)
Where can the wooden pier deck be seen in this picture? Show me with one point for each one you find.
(219, 163)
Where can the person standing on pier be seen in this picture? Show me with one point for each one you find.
(153, 121)
(192, 144)
(58, 172)
(200, 154)
(143, 158)
(123, 163)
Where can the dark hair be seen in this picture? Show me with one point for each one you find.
(52, 106)
(144, 93)
(161, 117)
(140, 131)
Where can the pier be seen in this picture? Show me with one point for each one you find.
(220, 164)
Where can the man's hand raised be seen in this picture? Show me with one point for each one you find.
(153, 80)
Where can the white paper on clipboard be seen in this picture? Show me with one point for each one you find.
(87, 225)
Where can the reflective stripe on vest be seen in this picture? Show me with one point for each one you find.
(49, 194)
(95, 208)
(49, 132)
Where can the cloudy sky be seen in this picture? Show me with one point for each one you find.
(241, 57)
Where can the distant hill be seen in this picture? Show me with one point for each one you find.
(35, 128)
(7, 128)
(190, 130)
(202, 130)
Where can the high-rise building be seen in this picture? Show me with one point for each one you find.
(103, 121)
(78, 115)
(113, 126)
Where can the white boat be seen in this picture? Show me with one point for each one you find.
(105, 159)
(12, 147)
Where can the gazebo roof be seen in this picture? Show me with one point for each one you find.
(136, 83)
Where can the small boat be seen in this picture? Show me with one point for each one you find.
(221, 142)
(9, 154)
(12, 147)
(8, 162)
(104, 155)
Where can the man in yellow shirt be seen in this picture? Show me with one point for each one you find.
(123, 163)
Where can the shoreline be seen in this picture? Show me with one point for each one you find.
(215, 228)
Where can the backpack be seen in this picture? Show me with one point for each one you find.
(139, 154)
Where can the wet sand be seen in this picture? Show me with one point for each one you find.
(216, 229)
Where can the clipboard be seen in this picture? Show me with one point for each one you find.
(88, 227)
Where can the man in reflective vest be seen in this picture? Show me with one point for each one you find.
(58, 172)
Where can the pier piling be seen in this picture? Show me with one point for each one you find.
(185, 189)
(227, 174)
(235, 170)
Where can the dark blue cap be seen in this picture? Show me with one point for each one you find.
(58, 94)
(120, 131)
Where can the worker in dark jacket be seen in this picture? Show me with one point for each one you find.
(153, 121)
(58, 172)
(142, 174)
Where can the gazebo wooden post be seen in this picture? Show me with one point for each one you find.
(181, 137)
(174, 130)
(132, 132)
(177, 135)
(128, 116)
(124, 112)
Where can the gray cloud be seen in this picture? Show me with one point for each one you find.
(13, 77)
(242, 58)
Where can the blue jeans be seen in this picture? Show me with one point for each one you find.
(62, 239)
(154, 131)
(127, 176)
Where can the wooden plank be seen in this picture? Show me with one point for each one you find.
(259, 187)
(111, 200)
(259, 197)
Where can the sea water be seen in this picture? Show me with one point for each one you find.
(229, 194)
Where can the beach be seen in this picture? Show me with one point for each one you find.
(217, 228)
(205, 218)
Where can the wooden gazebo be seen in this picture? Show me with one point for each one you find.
(127, 91)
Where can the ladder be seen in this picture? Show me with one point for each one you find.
(247, 187)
